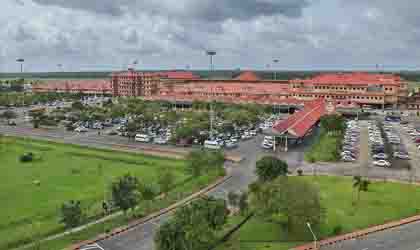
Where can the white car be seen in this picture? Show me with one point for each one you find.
(382, 163)
(160, 140)
(348, 158)
(81, 129)
(381, 156)
(143, 138)
(267, 144)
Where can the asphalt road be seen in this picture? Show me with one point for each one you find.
(401, 238)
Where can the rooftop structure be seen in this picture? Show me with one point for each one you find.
(301, 122)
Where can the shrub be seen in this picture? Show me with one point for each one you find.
(300, 172)
(338, 229)
(27, 157)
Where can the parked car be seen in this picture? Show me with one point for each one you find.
(11, 123)
(348, 158)
(81, 129)
(380, 156)
(142, 138)
(212, 144)
(160, 140)
(382, 163)
(401, 155)
(112, 132)
(231, 144)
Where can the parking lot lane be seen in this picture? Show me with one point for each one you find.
(414, 174)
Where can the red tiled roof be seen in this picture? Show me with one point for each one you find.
(301, 122)
(357, 78)
(248, 76)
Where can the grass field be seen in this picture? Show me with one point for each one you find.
(325, 149)
(383, 202)
(64, 172)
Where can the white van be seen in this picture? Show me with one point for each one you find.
(143, 138)
(211, 144)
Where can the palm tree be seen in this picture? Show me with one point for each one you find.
(360, 184)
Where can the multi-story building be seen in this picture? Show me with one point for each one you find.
(346, 89)
(379, 90)
(133, 83)
(89, 87)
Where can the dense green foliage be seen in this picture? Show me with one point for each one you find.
(327, 147)
(202, 161)
(125, 192)
(71, 214)
(381, 203)
(193, 227)
(291, 202)
(269, 168)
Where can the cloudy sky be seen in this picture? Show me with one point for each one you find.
(169, 34)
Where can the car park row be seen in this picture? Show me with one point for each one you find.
(350, 146)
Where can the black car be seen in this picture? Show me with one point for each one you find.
(11, 123)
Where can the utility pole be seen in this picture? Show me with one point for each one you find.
(211, 53)
(21, 61)
(275, 61)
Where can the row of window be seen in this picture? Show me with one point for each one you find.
(340, 97)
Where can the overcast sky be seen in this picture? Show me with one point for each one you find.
(247, 34)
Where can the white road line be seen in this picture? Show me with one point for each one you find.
(99, 246)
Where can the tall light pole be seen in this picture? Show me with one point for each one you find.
(211, 53)
(275, 61)
(21, 61)
(313, 234)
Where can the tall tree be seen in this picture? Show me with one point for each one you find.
(193, 227)
(125, 192)
(148, 193)
(269, 168)
(277, 201)
(360, 184)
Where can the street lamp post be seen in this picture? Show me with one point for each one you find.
(313, 234)
(275, 61)
(21, 61)
(211, 53)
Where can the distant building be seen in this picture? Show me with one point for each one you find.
(134, 83)
(90, 86)
(345, 89)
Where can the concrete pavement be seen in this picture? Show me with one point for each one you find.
(405, 237)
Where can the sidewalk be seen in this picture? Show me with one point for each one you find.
(360, 233)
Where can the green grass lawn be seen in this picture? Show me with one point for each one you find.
(383, 202)
(65, 172)
(325, 149)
